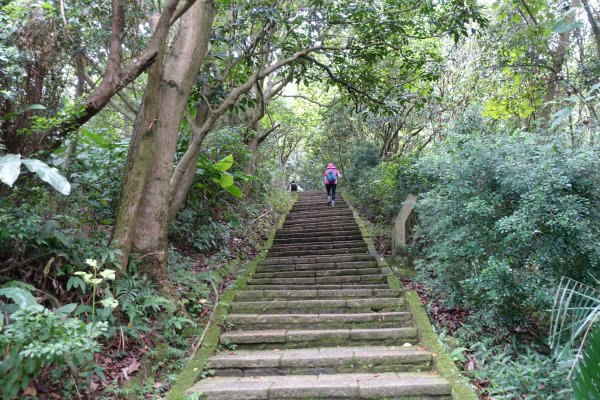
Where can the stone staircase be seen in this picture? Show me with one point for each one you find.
(318, 321)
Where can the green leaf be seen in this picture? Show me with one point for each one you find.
(20, 297)
(234, 190)
(587, 374)
(226, 180)
(225, 163)
(50, 175)
(66, 309)
(31, 108)
(10, 168)
(560, 115)
(96, 138)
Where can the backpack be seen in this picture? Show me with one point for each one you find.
(330, 176)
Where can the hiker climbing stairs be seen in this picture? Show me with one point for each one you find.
(318, 321)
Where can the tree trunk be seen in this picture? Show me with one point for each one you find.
(593, 24)
(142, 220)
(557, 64)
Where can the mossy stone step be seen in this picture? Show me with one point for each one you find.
(315, 321)
(390, 385)
(312, 306)
(318, 239)
(316, 267)
(317, 232)
(315, 361)
(318, 222)
(272, 260)
(320, 272)
(345, 250)
(323, 224)
(252, 295)
(305, 338)
(355, 279)
(317, 246)
(250, 287)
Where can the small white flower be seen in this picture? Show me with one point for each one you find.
(110, 302)
(91, 262)
(108, 274)
(86, 276)
(96, 281)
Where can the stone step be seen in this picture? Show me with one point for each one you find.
(316, 267)
(317, 236)
(318, 239)
(314, 321)
(346, 228)
(271, 260)
(355, 279)
(303, 338)
(319, 220)
(321, 224)
(320, 272)
(315, 286)
(318, 215)
(292, 295)
(390, 385)
(316, 361)
(319, 252)
(316, 306)
(284, 247)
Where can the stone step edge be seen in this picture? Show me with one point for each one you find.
(334, 386)
(319, 317)
(319, 356)
(309, 335)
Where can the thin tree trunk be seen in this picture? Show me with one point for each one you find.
(593, 23)
(559, 60)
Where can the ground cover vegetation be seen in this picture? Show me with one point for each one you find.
(146, 145)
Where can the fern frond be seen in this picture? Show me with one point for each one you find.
(586, 380)
(576, 307)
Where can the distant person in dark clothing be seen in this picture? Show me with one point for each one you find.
(293, 187)
(330, 180)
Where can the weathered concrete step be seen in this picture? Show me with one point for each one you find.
(395, 319)
(324, 360)
(329, 213)
(320, 272)
(318, 239)
(321, 224)
(332, 306)
(316, 267)
(390, 386)
(292, 295)
(319, 220)
(315, 286)
(271, 260)
(357, 279)
(331, 235)
(344, 250)
(317, 246)
(303, 338)
(324, 229)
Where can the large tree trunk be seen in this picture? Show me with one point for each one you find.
(142, 221)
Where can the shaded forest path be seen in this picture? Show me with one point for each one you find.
(319, 321)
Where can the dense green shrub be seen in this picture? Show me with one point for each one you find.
(506, 216)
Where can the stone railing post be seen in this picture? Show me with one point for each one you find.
(399, 231)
